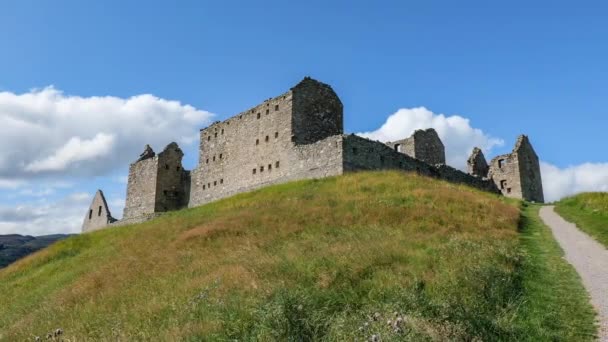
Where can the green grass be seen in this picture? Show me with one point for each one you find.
(309, 260)
(556, 306)
(589, 211)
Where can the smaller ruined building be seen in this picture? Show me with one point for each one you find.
(423, 145)
(98, 216)
(516, 174)
(297, 135)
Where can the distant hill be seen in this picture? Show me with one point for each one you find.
(14, 247)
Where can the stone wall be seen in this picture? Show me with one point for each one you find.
(243, 151)
(529, 169)
(477, 165)
(517, 174)
(267, 143)
(171, 180)
(157, 183)
(504, 171)
(424, 145)
(317, 112)
(98, 215)
(364, 154)
(141, 188)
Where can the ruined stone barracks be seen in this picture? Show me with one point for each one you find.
(298, 135)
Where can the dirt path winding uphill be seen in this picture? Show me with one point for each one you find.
(589, 258)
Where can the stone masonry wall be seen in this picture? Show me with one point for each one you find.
(243, 151)
(98, 216)
(364, 154)
(171, 180)
(141, 188)
(317, 112)
(424, 145)
(504, 171)
(476, 164)
(259, 147)
(517, 174)
(529, 168)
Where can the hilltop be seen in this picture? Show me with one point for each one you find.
(330, 259)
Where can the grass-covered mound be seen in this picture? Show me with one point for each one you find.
(590, 213)
(332, 259)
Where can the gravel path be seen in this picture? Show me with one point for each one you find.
(589, 258)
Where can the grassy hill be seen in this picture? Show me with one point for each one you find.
(590, 213)
(331, 259)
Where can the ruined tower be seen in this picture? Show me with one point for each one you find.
(98, 216)
(157, 183)
(423, 145)
(477, 165)
(517, 174)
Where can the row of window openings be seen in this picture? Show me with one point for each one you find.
(208, 185)
(276, 135)
(503, 186)
(276, 109)
(276, 166)
(221, 156)
(209, 137)
(91, 213)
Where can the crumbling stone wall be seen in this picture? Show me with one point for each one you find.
(517, 174)
(477, 165)
(98, 215)
(171, 180)
(424, 145)
(364, 154)
(157, 183)
(141, 188)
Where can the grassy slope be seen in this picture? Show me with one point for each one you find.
(310, 260)
(590, 213)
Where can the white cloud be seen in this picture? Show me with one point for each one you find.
(11, 183)
(63, 216)
(559, 183)
(75, 150)
(455, 132)
(46, 133)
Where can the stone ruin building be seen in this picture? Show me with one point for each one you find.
(423, 145)
(516, 174)
(98, 216)
(296, 135)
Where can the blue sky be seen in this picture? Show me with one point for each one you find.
(509, 67)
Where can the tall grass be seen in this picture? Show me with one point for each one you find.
(332, 259)
(590, 213)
